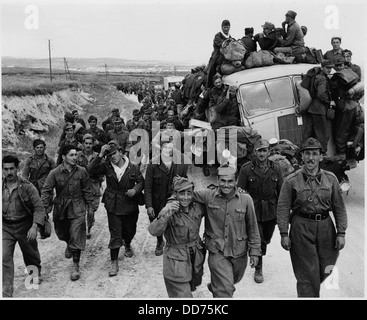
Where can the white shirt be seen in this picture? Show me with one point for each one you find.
(120, 171)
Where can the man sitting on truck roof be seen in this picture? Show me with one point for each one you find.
(268, 39)
(294, 42)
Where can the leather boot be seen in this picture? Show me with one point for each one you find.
(68, 253)
(258, 277)
(128, 251)
(114, 268)
(75, 273)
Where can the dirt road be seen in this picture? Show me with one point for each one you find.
(140, 277)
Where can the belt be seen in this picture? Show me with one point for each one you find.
(314, 216)
(184, 245)
(9, 221)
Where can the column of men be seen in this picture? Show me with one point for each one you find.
(239, 218)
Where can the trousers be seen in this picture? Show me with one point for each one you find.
(313, 253)
(14, 233)
(225, 272)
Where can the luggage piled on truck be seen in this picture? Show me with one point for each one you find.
(261, 58)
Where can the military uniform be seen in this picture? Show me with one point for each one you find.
(21, 208)
(73, 197)
(96, 181)
(305, 202)
(36, 170)
(184, 254)
(231, 232)
(264, 188)
(122, 137)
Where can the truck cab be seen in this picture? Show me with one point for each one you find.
(268, 97)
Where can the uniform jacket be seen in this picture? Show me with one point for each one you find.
(333, 55)
(268, 42)
(230, 225)
(71, 201)
(121, 137)
(321, 102)
(158, 184)
(296, 189)
(179, 230)
(114, 198)
(37, 173)
(264, 188)
(294, 36)
(27, 202)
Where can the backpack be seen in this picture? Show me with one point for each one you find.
(232, 50)
(308, 80)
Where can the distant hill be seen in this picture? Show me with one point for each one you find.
(98, 64)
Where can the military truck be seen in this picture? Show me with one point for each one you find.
(267, 99)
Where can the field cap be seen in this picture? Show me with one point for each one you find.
(226, 170)
(327, 63)
(347, 53)
(261, 143)
(88, 136)
(136, 111)
(116, 110)
(181, 183)
(291, 14)
(114, 147)
(339, 61)
(311, 143)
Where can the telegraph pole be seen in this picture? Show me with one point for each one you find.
(49, 58)
(106, 71)
(67, 71)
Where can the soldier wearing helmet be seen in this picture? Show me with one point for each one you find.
(306, 199)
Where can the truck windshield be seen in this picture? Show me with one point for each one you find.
(262, 97)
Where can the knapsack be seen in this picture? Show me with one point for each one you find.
(308, 80)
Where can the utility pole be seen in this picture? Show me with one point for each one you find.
(49, 58)
(105, 65)
(67, 72)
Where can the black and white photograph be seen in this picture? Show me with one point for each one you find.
(183, 150)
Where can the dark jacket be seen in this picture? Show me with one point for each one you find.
(249, 43)
(268, 42)
(158, 184)
(114, 198)
(264, 188)
(321, 102)
(73, 195)
(228, 113)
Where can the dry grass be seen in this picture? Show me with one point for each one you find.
(28, 86)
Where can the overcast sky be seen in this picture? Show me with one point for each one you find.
(165, 30)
